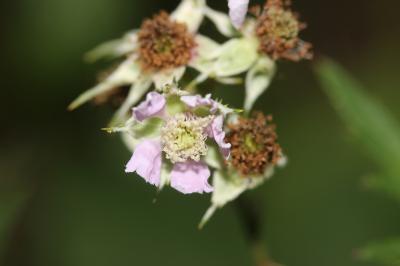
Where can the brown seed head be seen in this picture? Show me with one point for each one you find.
(278, 29)
(254, 144)
(164, 43)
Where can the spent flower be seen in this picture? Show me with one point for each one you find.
(277, 29)
(271, 33)
(254, 154)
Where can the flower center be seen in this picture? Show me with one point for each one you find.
(164, 43)
(254, 145)
(184, 137)
(249, 143)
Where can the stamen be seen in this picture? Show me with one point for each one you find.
(184, 137)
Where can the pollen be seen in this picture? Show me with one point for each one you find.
(254, 144)
(184, 137)
(164, 44)
(278, 31)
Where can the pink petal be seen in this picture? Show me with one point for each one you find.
(218, 134)
(191, 177)
(238, 11)
(154, 105)
(194, 101)
(146, 161)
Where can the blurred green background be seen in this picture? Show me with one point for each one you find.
(65, 199)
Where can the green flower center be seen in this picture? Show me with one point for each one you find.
(163, 44)
(250, 144)
(185, 138)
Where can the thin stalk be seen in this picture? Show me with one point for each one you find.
(250, 217)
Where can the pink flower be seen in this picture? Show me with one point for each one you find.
(238, 11)
(183, 139)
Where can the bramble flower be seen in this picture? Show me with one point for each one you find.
(171, 135)
(158, 53)
(254, 154)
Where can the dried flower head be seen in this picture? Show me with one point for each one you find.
(254, 144)
(164, 43)
(278, 29)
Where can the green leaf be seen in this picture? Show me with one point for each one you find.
(384, 253)
(379, 133)
(370, 122)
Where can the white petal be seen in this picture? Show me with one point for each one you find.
(191, 13)
(258, 80)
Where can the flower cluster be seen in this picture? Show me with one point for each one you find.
(178, 137)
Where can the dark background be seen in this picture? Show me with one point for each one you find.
(65, 200)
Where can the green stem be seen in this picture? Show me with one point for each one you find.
(250, 218)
